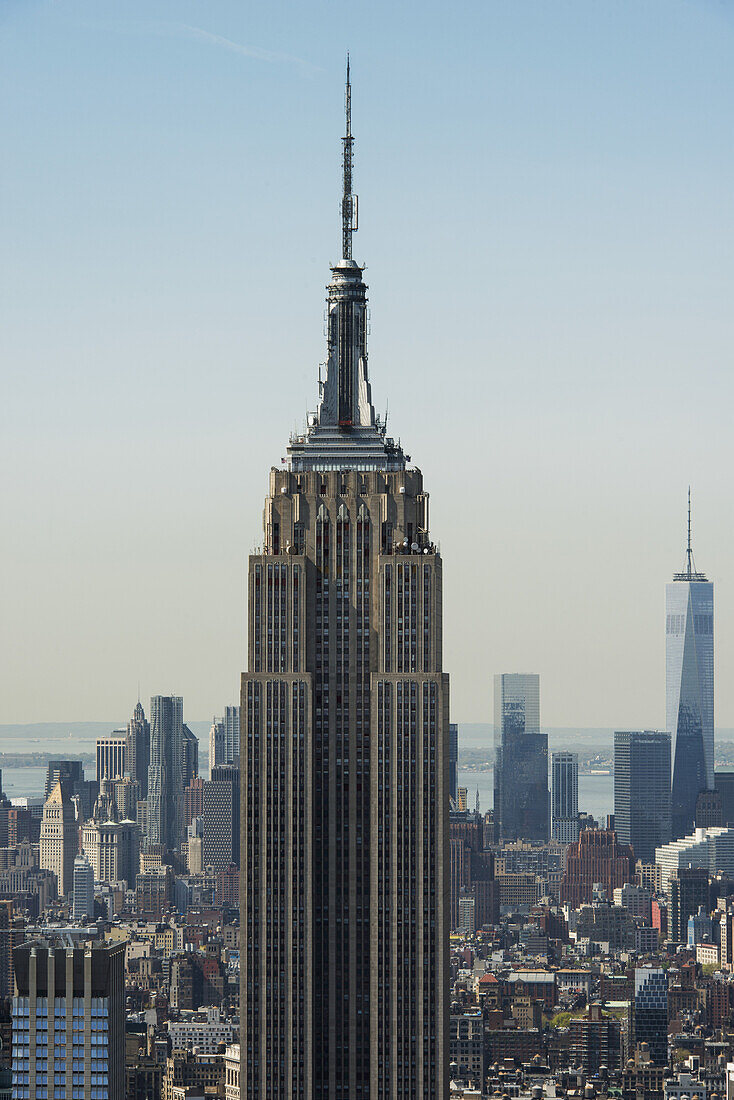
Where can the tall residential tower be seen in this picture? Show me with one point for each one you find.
(344, 753)
(689, 668)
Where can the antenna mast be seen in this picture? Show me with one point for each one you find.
(350, 202)
(690, 568)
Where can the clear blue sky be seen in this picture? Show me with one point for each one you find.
(546, 214)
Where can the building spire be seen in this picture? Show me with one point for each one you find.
(689, 571)
(690, 567)
(350, 202)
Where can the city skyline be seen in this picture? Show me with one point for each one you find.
(151, 296)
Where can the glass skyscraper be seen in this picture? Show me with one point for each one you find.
(642, 790)
(650, 1013)
(69, 1020)
(689, 666)
(565, 797)
(521, 808)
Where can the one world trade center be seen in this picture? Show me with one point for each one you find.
(689, 667)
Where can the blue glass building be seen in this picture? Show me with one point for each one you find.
(689, 665)
(68, 1020)
(650, 1013)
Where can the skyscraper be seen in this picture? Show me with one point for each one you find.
(642, 790)
(137, 751)
(83, 902)
(111, 845)
(453, 760)
(111, 756)
(69, 772)
(221, 819)
(69, 1020)
(232, 736)
(167, 773)
(216, 744)
(344, 753)
(59, 838)
(565, 796)
(224, 739)
(650, 1013)
(521, 759)
(689, 667)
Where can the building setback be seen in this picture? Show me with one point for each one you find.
(344, 754)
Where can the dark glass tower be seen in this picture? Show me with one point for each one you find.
(642, 790)
(344, 754)
(650, 1013)
(689, 665)
(521, 797)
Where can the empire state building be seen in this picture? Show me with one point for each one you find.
(344, 753)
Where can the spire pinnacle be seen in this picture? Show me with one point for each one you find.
(350, 202)
(690, 568)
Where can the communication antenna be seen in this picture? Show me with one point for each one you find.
(350, 202)
(690, 564)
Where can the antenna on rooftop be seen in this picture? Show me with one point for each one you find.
(690, 565)
(350, 202)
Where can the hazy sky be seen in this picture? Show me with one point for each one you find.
(546, 214)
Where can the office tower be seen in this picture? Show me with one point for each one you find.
(221, 819)
(689, 668)
(111, 845)
(83, 903)
(170, 771)
(232, 736)
(137, 749)
(688, 889)
(565, 796)
(59, 838)
(194, 800)
(216, 744)
(195, 849)
(344, 755)
(190, 755)
(709, 811)
(69, 1020)
(521, 759)
(597, 857)
(650, 1013)
(471, 869)
(453, 761)
(711, 848)
(724, 784)
(642, 790)
(68, 772)
(224, 739)
(126, 794)
(111, 753)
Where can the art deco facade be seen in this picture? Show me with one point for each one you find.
(689, 667)
(344, 754)
(60, 838)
